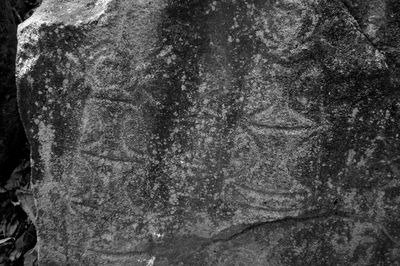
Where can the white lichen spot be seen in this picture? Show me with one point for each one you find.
(353, 115)
(380, 60)
(165, 51)
(151, 261)
(350, 157)
(157, 235)
(30, 80)
(65, 82)
(214, 5)
(260, 34)
(25, 66)
(72, 57)
(107, 236)
(302, 100)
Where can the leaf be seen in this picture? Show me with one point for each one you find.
(26, 199)
(15, 254)
(18, 176)
(12, 228)
(5, 240)
(3, 226)
(26, 242)
(30, 257)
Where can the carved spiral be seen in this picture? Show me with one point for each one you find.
(286, 27)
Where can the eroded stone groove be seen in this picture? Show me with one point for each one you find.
(210, 133)
(175, 71)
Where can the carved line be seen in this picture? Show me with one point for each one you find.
(118, 254)
(260, 110)
(109, 215)
(138, 152)
(112, 158)
(99, 207)
(301, 126)
(148, 97)
(99, 99)
(129, 149)
(246, 198)
(281, 127)
(261, 207)
(254, 136)
(310, 133)
(269, 209)
(110, 99)
(269, 192)
(88, 205)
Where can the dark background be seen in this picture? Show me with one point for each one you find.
(17, 233)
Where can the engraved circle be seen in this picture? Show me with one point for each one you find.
(111, 69)
(286, 26)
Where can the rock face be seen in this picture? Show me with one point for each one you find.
(213, 132)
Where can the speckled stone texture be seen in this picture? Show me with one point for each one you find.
(232, 132)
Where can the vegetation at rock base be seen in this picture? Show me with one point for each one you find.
(17, 231)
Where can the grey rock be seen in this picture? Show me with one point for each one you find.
(210, 133)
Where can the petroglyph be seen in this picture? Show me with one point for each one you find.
(113, 130)
(195, 125)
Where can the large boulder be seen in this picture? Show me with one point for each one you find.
(210, 133)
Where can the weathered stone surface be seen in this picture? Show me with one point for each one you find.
(212, 132)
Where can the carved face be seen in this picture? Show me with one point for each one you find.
(248, 145)
(224, 126)
(248, 142)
